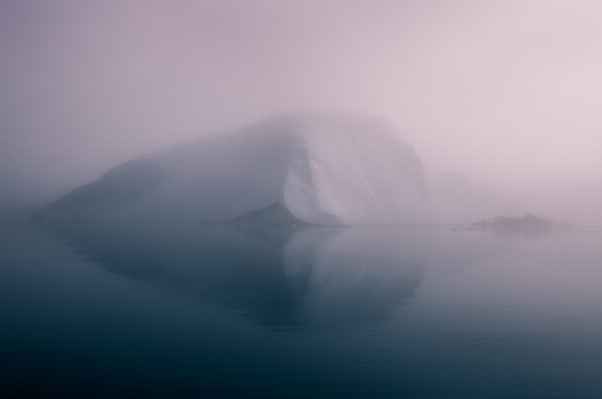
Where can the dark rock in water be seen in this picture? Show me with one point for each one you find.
(528, 224)
(274, 223)
(275, 214)
(528, 220)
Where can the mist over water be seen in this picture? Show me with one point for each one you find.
(300, 199)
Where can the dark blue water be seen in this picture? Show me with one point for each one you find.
(136, 309)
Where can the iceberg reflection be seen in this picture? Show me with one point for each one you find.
(312, 277)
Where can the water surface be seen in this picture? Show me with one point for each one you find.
(194, 310)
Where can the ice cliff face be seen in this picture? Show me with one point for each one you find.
(323, 168)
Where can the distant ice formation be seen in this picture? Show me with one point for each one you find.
(325, 169)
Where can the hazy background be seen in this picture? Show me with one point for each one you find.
(508, 94)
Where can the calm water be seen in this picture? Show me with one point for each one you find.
(192, 310)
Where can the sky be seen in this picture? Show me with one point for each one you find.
(508, 93)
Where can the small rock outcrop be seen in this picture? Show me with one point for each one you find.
(274, 223)
(273, 215)
(528, 224)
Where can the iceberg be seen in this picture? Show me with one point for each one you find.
(324, 169)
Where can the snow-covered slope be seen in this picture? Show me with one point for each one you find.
(323, 168)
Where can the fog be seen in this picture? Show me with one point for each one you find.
(505, 94)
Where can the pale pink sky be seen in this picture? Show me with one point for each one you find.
(506, 92)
